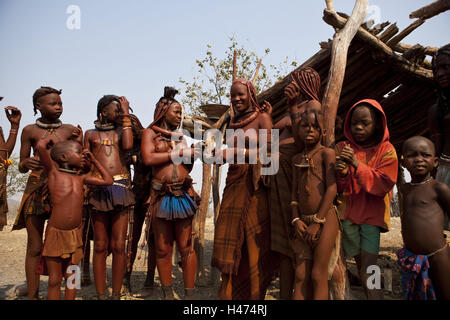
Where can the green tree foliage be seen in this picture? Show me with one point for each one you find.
(212, 82)
(16, 181)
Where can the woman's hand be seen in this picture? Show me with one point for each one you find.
(124, 105)
(292, 92)
(266, 107)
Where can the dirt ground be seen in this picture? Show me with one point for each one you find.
(12, 273)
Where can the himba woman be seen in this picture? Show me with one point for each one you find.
(173, 201)
(242, 233)
(111, 205)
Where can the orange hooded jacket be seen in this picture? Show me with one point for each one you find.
(367, 190)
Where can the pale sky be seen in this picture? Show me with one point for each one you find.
(135, 48)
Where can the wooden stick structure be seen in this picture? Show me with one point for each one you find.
(431, 10)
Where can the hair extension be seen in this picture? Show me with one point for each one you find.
(309, 82)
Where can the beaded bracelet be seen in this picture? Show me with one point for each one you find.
(12, 131)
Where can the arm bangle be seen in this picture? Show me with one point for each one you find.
(294, 203)
(293, 220)
(317, 220)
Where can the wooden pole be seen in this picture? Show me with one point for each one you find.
(233, 78)
(330, 102)
(255, 77)
(341, 42)
(200, 219)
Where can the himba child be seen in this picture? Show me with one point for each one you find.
(173, 201)
(314, 217)
(439, 116)
(35, 207)
(141, 188)
(303, 92)
(6, 147)
(425, 259)
(110, 205)
(366, 172)
(63, 244)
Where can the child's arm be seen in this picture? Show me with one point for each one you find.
(299, 225)
(127, 131)
(341, 170)
(26, 162)
(377, 180)
(43, 147)
(105, 180)
(14, 118)
(443, 192)
(328, 157)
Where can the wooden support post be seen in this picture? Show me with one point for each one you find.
(341, 42)
(330, 102)
(200, 223)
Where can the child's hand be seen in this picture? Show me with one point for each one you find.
(292, 92)
(311, 232)
(32, 163)
(87, 154)
(13, 117)
(51, 141)
(340, 167)
(300, 228)
(124, 105)
(77, 132)
(348, 156)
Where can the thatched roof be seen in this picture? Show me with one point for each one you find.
(379, 67)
